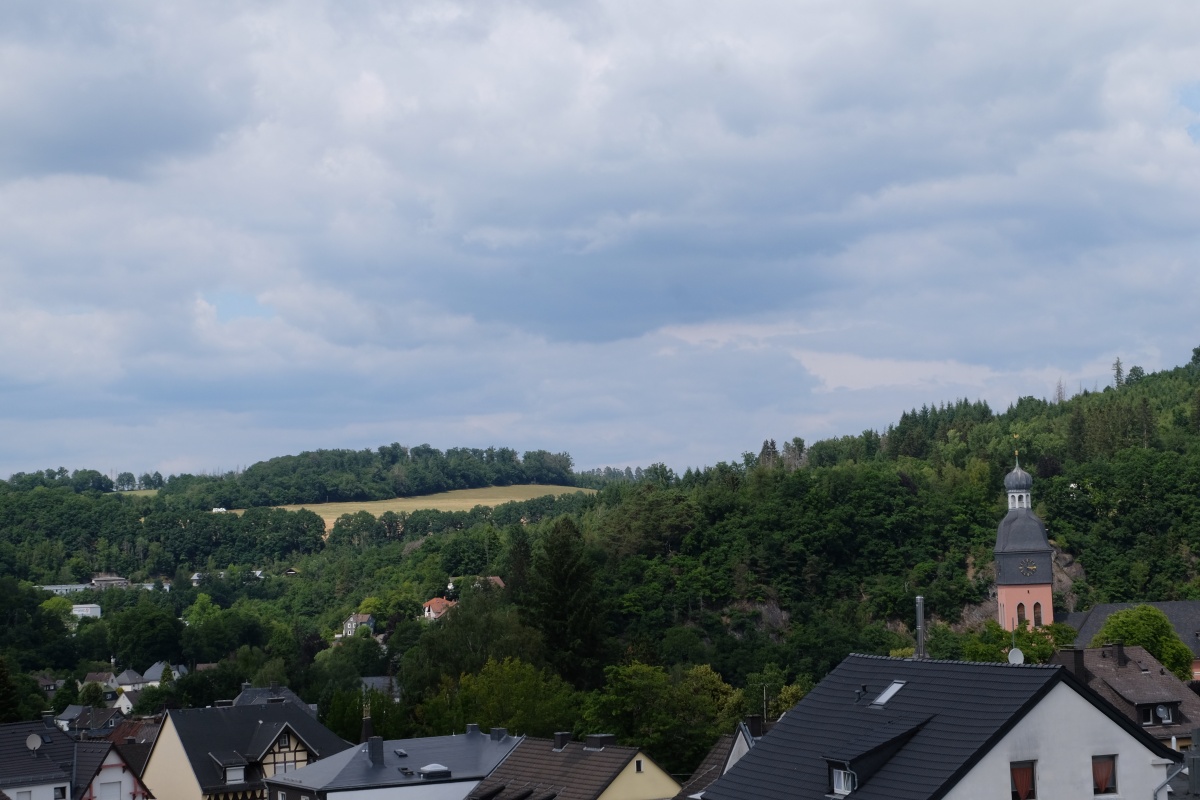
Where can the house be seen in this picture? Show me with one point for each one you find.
(49, 685)
(91, 723)
(130, 679)
(108, 581)
(728, 750)
(589, 770)
(1138, 686)
(384, 684)
(154, 675)
(107, 680)
(90, 610)
(915, 729)
(264, 695)
(1184, 616)
(224, 753)
(126, 701)
(442, 767)
(291, 572)
(1024, 559)
(356, 621)
(437, 607)
(40, 762)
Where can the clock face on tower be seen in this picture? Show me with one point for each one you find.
(1027, 567)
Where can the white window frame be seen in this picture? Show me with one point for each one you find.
(844, 781)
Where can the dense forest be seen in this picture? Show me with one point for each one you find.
(661, 607)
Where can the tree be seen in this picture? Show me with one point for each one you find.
(1118, 374)
(125, 482)
(92, 695)
(10, 708)
(509, 694)
(1148, 627)
(565, 605)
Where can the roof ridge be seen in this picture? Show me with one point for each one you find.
(955, 661)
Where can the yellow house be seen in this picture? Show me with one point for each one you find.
(224, 753)
(594, 769)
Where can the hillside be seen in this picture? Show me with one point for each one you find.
(725, 582)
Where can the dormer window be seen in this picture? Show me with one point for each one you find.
(235, 774)
(1156, 715)
(844, 781)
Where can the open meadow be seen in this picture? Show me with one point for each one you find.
(458, 500)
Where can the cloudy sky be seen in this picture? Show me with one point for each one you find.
(634, 231)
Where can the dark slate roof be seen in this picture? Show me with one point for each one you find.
(916, 746)
(1021, 531)
(1183, 614)
(51, 762)
(470, 756)
(206, 732)
(536, 771)
(271, 695)
(1018, 480)
(136, 755)
(710, 768)
(89, 757)
(1137, 679)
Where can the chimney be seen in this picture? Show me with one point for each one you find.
(561, 738)
(597, 741)
(754, 723)
(375, 751)
(498, 733)
(48, 719)
(472, 727)
(1121, 659)
(247, 685)
(1075, 664)
(920, 651)
(274, 686)
(130, 740)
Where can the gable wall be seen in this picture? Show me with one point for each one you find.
(1062, 734)
(115, 771)
(168, 773)
(649, 784)
(279, 759)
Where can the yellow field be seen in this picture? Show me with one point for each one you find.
(459, 500)
(141, 492)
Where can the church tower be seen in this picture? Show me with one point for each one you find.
(1024, 559)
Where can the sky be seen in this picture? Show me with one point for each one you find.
(637, 232)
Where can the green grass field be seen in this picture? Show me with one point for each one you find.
(458, 500)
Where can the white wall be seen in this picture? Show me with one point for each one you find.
(36, 792)
(1062, 734)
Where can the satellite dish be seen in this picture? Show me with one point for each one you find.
(33, 742)
(1015, 656)
(1162, 712)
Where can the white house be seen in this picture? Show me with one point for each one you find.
(40, 762)
(82, 610)
(893, 729)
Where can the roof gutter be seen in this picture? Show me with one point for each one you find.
(1170, 777)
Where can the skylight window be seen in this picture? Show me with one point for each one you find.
(888, 693)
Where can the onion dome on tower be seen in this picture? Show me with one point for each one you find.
(1024, 558)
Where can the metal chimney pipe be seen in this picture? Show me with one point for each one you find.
(920, 653)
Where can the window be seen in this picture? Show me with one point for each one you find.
(844, 781)
(637, 765)
(285, 740)
(888, 693)
(235, 774)
(1156, 715)
(60, 793)
(1104, 774)
(1037, 614)
(1020, 613)
(1023, 777)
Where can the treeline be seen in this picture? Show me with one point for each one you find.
(58, 536)
(330, 476)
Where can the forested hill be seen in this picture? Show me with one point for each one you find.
(330, 476)
(673, 599)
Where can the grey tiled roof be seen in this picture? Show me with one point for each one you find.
(1183, 614)
(470, 756)
(710, 768)
(534, 770)
(207, 731)
(1138, 679)
(19, 765)
(916, 746)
